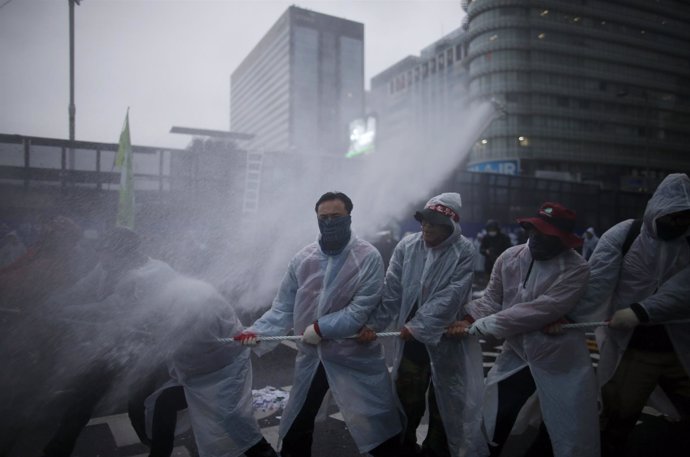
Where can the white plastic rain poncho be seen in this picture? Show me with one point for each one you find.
(217, 377)
(111, 316)
(340, 291)
(653, 273)
(439, 279)
(525, 296)
(181, 320)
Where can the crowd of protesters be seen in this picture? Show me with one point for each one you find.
(149, 335)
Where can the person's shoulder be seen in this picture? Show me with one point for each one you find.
(307, 250)
(515, 250)
(410, 239)
(464, 243)
(616, 235)
(620, 227)
(575, 259)
(363, 247)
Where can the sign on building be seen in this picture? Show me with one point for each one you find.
(504, 167)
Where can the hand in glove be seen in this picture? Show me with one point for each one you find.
(484, 326)
(246, 338)
(624, 319)
(311, 334)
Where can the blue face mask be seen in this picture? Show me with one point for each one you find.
(335, 234)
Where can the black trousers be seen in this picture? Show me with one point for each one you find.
(513, 392)
(168, 403)
(415, 389)
(298, 440)
(84, 394)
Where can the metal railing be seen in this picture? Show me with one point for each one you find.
(37, 161)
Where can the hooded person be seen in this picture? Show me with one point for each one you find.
(329, 291)
(11, 246)
(492, 245)
(429, 275)
(642, 291)
(533, 285)
(590, 240)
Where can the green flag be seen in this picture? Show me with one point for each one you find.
(125, 209)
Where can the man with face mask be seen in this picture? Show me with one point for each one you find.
(642, 291)
(533, 285)
(328, 293)
(430, 273)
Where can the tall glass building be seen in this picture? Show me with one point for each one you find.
(302, 84)
(594, 90)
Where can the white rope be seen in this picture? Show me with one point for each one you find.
(585, 324)
(389, 334)
(606, 323)
(299, 337)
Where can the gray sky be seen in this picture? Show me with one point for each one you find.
(168, 60)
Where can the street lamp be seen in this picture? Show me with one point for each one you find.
(72, 107)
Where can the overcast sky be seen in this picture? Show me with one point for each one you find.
(168, 60)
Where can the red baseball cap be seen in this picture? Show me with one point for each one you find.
(556, 220)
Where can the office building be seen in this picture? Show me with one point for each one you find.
(419, 101)
(301, 85)
(594, 90)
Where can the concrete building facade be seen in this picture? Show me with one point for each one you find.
(418, 102)
(301, 85)
(595, 91)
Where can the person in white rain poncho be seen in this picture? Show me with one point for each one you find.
(532, 286)
(429, 276)
(590, 240)
(650, 284)
(133, 313)
(217, 377)
(328, 293)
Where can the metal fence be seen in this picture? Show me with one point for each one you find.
(38, 167)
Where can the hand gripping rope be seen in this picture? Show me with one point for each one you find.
(298, 337)
(578, 325)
